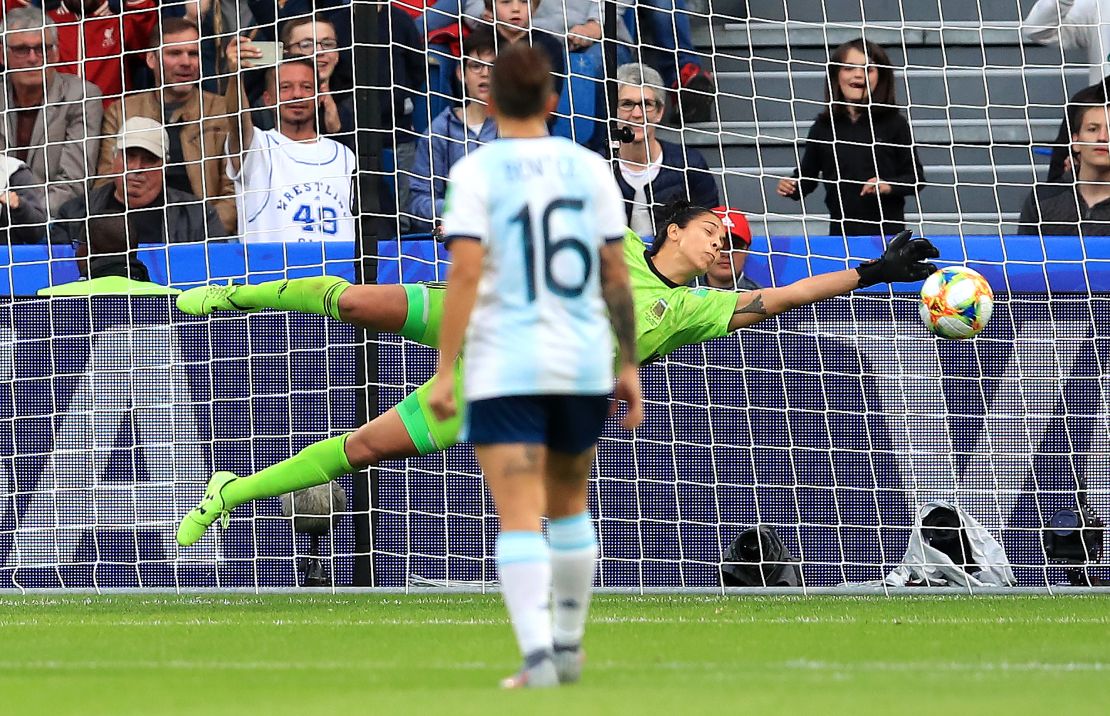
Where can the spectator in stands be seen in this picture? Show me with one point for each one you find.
(270, 15)
(218, 20)
(108, 264)
(670, 30)
(155, 212)
(1081, 209)
(456, 131)
(22, 203)
(314, 37)
(403, 76)
(196, 121)
(512, 22)
(860, 147)
(1073, 24)
(728, 271)
(99, 43)
(51, 121)
(291, 183)
(652, 172)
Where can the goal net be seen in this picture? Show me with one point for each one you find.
(834, 424)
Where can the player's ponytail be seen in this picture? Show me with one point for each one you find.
(679, 212)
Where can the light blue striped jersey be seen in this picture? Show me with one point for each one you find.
(542, 208)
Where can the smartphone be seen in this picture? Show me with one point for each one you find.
(271, 54)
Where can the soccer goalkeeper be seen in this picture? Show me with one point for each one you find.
(669, 315)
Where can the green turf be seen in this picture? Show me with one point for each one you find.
(681, 656)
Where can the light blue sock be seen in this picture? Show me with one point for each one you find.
(573, 562)
(524, 563)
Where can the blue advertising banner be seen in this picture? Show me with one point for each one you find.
(1011, 263)
(832, 423)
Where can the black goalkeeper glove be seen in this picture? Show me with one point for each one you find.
(902, 262)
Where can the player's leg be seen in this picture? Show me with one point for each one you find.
(508, 436)
(578, 422)
(404, 431)
(412, 310)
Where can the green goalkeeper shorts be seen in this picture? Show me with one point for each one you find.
(425, 314)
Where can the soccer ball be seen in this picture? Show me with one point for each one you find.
(956, 302)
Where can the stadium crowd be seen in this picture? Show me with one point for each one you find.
(142, 110)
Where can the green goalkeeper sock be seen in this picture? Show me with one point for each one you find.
(319, 295)
(315, 465)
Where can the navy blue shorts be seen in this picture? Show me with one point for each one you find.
(565, 423)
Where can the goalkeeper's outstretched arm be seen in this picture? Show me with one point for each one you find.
(905, 260)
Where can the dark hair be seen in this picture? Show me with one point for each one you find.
(169, 26)
(110, 244)
(883, 97)
(479, 42)
(1085, 99)
(108, 234)
(521, 83)
(679, 213)
(287, 27)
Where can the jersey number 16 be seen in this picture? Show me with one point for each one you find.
(552, 246)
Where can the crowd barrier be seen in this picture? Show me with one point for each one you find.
(1012, 263)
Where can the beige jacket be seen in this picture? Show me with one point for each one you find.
(202, 144)
(64, 148)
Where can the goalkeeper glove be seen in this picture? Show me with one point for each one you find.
(903, 261)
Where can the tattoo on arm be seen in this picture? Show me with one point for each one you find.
(755, 306)
(618, 297)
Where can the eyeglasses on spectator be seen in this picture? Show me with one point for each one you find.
(25, 50)
(648, 105)
(308, 45)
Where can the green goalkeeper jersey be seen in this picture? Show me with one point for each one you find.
(669, 316)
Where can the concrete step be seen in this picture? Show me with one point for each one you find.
(819, 33)
(934, 132)
(798, 92)
(969, 224)
(757, 193)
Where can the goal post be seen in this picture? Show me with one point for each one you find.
(835, 424)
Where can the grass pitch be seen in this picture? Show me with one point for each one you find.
(681, 656)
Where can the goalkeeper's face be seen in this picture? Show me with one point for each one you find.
(699, 242)
(1092, 141)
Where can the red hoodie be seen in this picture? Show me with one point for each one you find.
(100, 57)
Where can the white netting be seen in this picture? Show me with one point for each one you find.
(832, 424)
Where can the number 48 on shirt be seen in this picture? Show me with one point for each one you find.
(322, 221)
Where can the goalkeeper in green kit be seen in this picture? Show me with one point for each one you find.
(669, 315)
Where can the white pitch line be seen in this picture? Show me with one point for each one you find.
(916, 667)
(46, 621)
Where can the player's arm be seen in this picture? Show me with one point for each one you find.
(616, 289)
(905, 260)
(458, 304)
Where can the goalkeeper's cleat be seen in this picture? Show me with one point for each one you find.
(538, 672)
(204, 300)
(211, 507)
(568, 663)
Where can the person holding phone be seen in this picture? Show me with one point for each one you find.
(291, 184)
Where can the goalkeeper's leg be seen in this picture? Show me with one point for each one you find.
(407, 430)
(412, 310)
